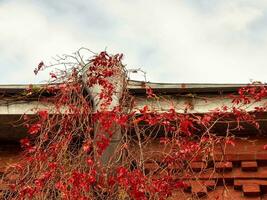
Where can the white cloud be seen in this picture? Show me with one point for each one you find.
(174, 41)
(238, 17)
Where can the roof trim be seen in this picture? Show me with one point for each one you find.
(138, 87)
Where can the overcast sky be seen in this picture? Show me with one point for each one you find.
(207, 41)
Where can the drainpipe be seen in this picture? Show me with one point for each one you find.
(118, 80)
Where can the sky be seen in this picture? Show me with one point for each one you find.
(183, 41)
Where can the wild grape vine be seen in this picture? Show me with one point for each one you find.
(63, 154)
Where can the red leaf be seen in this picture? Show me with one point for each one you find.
(150, 93)
(43, 114)
(35, 128)
(230, 141)
(25, 142)
(90, 162)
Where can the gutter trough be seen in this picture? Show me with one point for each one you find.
(139, 87)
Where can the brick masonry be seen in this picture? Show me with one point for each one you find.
(241, 173)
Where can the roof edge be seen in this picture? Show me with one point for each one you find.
(139, 87)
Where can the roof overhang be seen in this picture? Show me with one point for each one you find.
(139, 87)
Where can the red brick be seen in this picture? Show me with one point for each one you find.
(226, 193)
(236, 173)
(249, 166)
(223, 166)
(247, 156)
(210, 184)
(197, 166)
(231, 157)
(193, 186)
(251, 190)
(261, 156)
(152, 168)
(238, 183)
(199, 190)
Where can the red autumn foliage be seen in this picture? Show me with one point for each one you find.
(64, 151)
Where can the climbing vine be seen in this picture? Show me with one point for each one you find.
(83, 146)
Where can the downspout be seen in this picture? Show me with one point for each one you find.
(118, 80)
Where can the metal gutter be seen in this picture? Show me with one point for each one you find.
(138, 87)
(17, 88)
